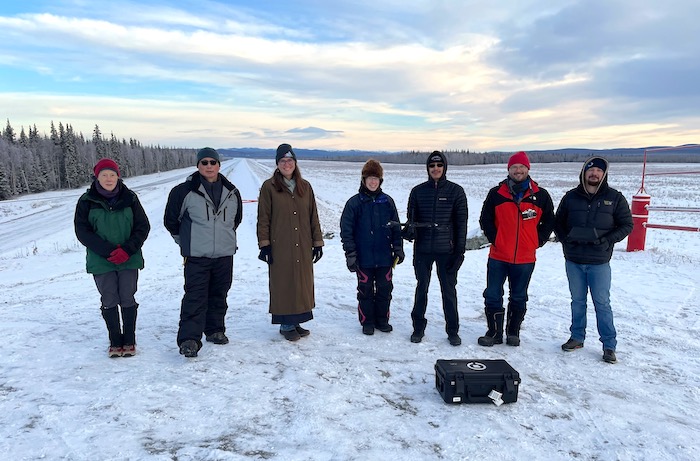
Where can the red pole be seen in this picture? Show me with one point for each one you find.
(640, 215)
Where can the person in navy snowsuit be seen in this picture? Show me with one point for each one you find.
(372, 243)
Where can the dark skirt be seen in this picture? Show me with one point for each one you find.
(292, 319)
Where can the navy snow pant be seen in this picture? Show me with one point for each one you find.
(374, 287)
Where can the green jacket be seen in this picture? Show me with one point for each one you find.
(101, 227)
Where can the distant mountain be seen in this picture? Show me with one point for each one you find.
(254, 152)
(685, 153)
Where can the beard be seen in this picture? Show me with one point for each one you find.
(593, 181)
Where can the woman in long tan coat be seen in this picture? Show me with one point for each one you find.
(290, 242)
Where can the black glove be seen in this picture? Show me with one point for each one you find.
(398, 255)
(266, 254)
(455, 262)
(351, 261)
(317, 254)
(408, 232)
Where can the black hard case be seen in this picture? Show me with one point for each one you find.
(471, 381)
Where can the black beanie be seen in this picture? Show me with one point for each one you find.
(285, 150)
(437, 157)
(596, 162)
(207, 152)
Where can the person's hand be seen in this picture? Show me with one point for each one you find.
(317, 254)
(266, 254)
(603, 243)
(408, 232)
(351, 261)
(455, 262)
(398, 255)
(118, 256)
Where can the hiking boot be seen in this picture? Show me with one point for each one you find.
(189, 348)
(217, 338)
(129, 351)
(417, 336)
(489, 341)
(302, 331)
(367, 329)
(386, 328)
(571, 345)
(609, 356)
(291, 335)
(513, 340)
(114, 351)
(454, 339)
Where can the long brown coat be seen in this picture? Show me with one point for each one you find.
(289, 224)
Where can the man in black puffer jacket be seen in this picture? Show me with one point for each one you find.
(437, 221)
(590, 219)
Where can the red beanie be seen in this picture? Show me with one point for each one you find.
(106, 164)
(519, 157)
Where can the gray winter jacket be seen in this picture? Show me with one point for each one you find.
(197, 225)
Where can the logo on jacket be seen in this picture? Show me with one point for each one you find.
(607, 202)
(529, 214)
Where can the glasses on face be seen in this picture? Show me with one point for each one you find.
(286, 161)
(436, 165)
(208, 162)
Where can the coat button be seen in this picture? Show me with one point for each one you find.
(296, 228)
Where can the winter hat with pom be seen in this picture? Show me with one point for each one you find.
(106, 164)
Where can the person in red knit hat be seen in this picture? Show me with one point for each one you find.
(517, 218)
(111, 223)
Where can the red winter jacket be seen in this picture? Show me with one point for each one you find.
(517, 230)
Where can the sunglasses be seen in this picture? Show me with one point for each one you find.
(208, 162)
(438, 165)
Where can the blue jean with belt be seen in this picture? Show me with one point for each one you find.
(597, 278)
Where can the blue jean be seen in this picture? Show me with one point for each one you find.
(518, 276)
(597, 277)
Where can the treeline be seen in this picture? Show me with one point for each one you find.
(32, 162)
(466, 157)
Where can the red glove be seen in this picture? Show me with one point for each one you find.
(118, 256)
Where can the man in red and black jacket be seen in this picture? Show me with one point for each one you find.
(517, 218)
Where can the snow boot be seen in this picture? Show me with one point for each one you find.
(111, 317)
(129, 337)
(494, 323)
(515, 319)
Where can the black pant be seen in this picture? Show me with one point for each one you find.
(423, 266)
(374, 287)
(207, 281)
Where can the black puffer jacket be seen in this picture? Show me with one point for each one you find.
(443, 205)
(588, 225)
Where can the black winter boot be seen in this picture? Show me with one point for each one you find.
(111, 316)
(494, 322)
(129, 337)
(515, 319)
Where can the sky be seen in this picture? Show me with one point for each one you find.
(382, 75)
(338, 394)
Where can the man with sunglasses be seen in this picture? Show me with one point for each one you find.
(202, 215)
(437, 223)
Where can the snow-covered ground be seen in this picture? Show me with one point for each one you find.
(338, 394)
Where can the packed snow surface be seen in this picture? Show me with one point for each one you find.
(338, 394)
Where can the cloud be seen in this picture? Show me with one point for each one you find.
(440, 72)
(313, 132)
